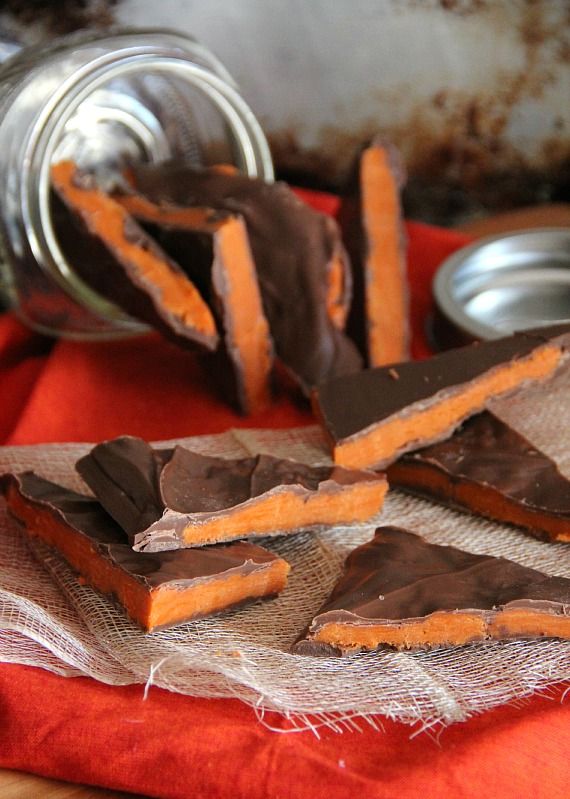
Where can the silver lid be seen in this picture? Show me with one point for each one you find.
(503, 283)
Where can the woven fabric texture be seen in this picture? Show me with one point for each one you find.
(48, 619)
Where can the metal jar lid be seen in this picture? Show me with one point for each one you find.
(501, 284)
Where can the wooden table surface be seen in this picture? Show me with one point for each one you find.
(17, 785)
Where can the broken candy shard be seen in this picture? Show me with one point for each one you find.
(203, 500)
(302, 268)
(156, 590)
(166, 215)
(372, 225)
(402, 591)
(490, 469)
(373, 417)
(124, 475)
(339, 274)
(213, 249)
(248, 342)
(133, 271)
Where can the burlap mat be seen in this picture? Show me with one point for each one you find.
(48, 619)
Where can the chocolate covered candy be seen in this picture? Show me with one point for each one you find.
(179, 498)
(213, 249)
(399, 590)
(373, 417)
(373, 231)
(488, 468)
(114, 256)
(156, 590)
(301, 264)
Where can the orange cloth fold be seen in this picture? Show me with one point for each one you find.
(177, 747)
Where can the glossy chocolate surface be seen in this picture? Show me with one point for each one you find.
(124, 476)
(292, 246)
(85, 517)
(486, 451)
(399, 578)
(351, 404)
(155, 494)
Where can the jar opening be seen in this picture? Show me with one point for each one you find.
(124, 106)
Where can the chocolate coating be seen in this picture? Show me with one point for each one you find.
(193, 483)
(356, 238)
(156, 494)
(85, 517)
(349, 405)
(399, 577)
(110, 274)
(292, 246)
(124, 476)
(487, 452)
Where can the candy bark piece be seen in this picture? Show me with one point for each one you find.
(169, 215)
(488, 468)
(156, 590)
(199, 499)
(375, 416)
(247, 339)
(124, 474)
(302, 267)
(213, 249)
(402, 591)
(124, 264)
(373, 230)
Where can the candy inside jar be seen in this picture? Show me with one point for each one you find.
(104, 102)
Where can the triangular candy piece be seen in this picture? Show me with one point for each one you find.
(404, 592)
(373, 417)
(156, 590)
(373, 230)
(213, 249)
(168, 499)
(488, 468)
(116, 258)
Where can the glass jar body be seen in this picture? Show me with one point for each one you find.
(104, 102)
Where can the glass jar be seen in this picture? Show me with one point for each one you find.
(104, 101)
